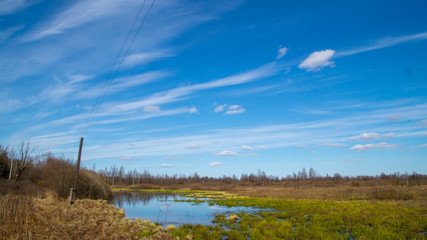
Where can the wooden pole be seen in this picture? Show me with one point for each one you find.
(11, 169)
(76, 180)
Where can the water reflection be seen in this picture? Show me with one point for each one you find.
(161, 208)
(135, 198)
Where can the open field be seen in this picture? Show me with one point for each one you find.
(314, 213)
(381, 211)
(384, 191)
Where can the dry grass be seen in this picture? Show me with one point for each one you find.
(26, 217)
(17, 209)
(370, 190)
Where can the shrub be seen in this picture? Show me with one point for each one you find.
(58, 174)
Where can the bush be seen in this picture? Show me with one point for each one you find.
(58, 174)
(4, 162)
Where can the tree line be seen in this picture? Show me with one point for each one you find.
(119, 176)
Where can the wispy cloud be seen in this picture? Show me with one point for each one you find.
(230, 109)
(366, 137)
(227, 153)
(220, 108)
(165, 165)
(395, 117)
(80, 13)
(214, 164)
(281, 52)
(318, 60)
(420, 146)
(383, 43)
(251, 148)
(193, 146)
(246, 147)
(235, 109)
(422, 122)
(6, 34)
(181, 93)
(371, 136)
(366, 147)
(333, 145)
(146, 57)
(11, 6)
(152, 109)
(193, 110)
(234, 154)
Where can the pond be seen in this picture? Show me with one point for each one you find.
(169, 208)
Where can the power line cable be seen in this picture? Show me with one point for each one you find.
(110, 81)
(107, 79)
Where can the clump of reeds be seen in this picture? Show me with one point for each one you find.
(17, 210)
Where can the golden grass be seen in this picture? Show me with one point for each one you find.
(50, 218)
(371, 190)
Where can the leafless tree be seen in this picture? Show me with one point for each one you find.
(24, 159)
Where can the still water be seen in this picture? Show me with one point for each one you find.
(163, 209)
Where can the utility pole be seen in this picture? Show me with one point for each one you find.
(76, 181)
(11, 169)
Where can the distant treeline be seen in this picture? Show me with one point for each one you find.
(118, 176)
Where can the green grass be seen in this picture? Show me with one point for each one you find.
(302, 219)
(312, 219)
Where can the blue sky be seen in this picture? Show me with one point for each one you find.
(219, 87)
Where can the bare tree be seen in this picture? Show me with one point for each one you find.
(24, 159)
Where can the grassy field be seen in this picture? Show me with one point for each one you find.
(344, 212)
(298, 212)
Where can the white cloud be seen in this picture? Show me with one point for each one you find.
(192, 110)
(11, 6)
(422, 122)
(383, 43)
(388, 135)
(333, 145)
(261, 147)
(230, 109)
(246, 147)
(6, 34)
(235, 109)
(220, 108)
(420, 146)
(366, 137)
(193, 146)
(281, 52)
(145, 57)
(366, 147)
(181, 93)
(80, 13)
(371, 136)
(152, 109)
(214, 164)
(227, 153)
(165, 165)
(317, 60)
(234, 154)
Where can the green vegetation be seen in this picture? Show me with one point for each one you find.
(312, 219)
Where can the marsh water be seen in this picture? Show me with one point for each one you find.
(169, 208)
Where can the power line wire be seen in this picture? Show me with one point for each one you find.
(110, 81)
